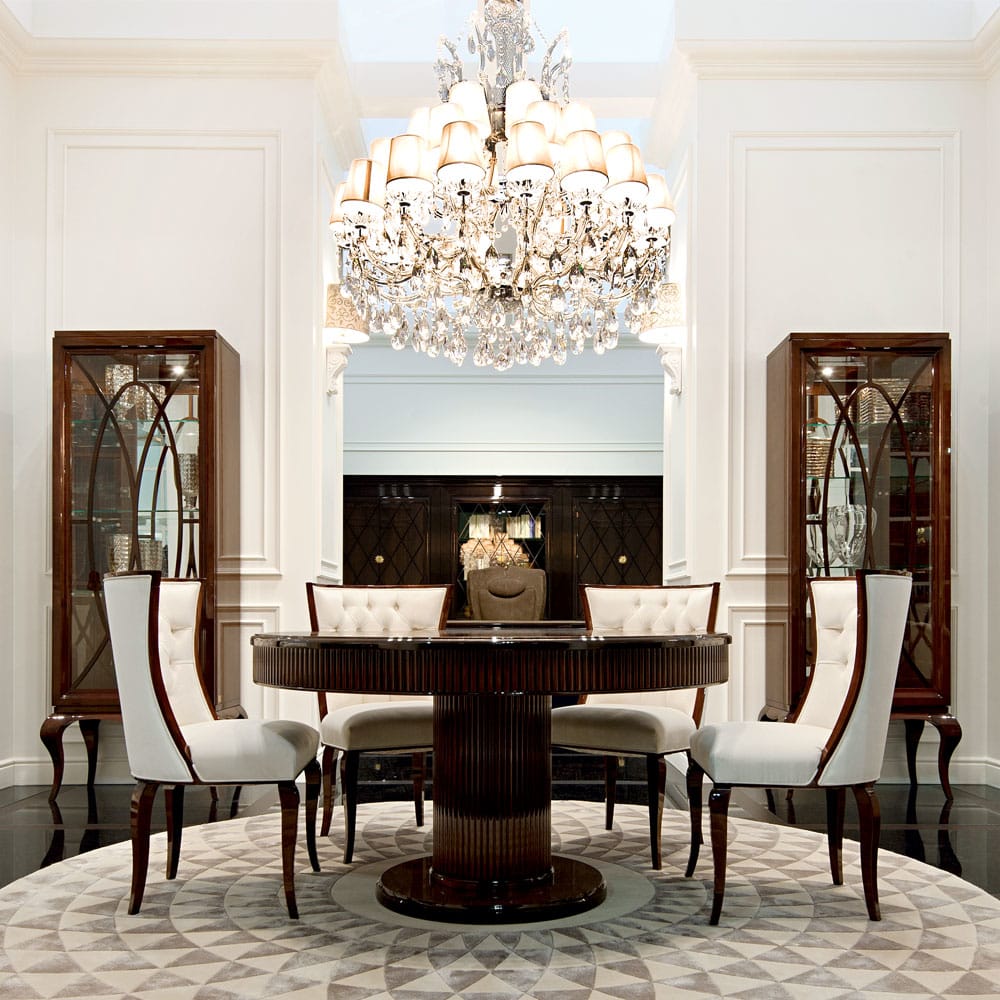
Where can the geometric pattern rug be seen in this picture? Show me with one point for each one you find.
(220, 931)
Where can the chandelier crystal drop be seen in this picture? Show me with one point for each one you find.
(503, 214)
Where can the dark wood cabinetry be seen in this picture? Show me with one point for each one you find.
(433, 530)
(858, 445)
(145, 476)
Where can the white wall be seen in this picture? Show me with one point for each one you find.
(992, 699)
(152, 203)
(407, 414)
(7, 152)
(849, 204)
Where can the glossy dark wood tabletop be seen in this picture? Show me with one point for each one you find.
(556, 658)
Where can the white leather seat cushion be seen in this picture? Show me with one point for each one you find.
(390, 725)
(759, 753)
(247, 750)
(619, 728)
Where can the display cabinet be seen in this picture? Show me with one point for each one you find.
(145, 476)
(436, 529)
(858, 446)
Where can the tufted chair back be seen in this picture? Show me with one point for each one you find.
(507, 593)
(635, 610)
(833, 603)
(177, 627)
(375, 611)
(152, 740)
(855, 753)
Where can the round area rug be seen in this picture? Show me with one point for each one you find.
(220, 929)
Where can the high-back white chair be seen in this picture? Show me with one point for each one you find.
(650, 724)
(353, 724)
(837, 738)
(172, 736)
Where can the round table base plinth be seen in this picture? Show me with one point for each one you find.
(408, 888)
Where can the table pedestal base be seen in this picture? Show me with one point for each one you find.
(413, 889)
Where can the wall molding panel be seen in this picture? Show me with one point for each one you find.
(754, 628)
(243, 304)
(756, 158)
(236, 626)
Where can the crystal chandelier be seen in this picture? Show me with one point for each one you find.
(503, 214)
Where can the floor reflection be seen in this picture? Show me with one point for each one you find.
(96, 834)
(961, 837)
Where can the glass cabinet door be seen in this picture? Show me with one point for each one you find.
(868, 477)
(497, 533)
(135, 475)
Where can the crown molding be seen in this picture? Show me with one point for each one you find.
(13, 39)
(673, 105)
(338, 103)
(988, 45)
(820, 60)
(30, 56)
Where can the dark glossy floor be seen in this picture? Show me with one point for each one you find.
(963, 839)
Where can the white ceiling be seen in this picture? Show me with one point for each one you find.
(619, 48)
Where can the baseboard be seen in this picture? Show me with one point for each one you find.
(112, 763)
(8, 771)
(991, 770)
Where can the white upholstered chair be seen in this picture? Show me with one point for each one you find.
(172, 736)
(837, 738)
(373, 723)
(651, 724)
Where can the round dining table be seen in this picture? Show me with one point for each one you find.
(492, 687)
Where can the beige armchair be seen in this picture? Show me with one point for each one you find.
(651, 724)
(836, 740)
(373, 723)
(507, 593)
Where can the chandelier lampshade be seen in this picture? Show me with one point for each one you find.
(502, 215)
(409, 171)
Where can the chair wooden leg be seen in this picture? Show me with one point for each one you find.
(349, 787)
(173, 796)
(610, 789)
(329, 755)
(835, 798)
(718, 808)
(288, 795)
(870, 820)
(656, 790)
(313, 780)
(695, 777)
(140, 815)
(419, 771)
